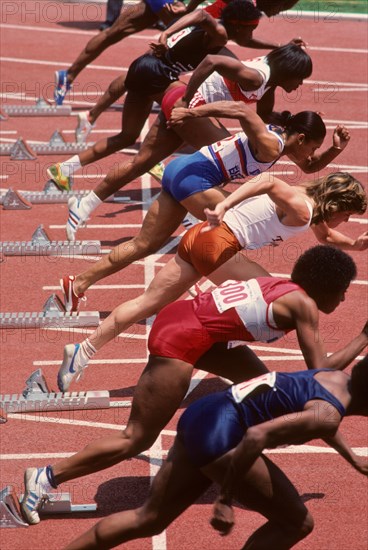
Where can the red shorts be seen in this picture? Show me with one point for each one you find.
(177, 333)
(208, 251)
(170, 98)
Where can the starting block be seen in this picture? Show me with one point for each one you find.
(37, 397)
(41, 245)
(9, 510)
(23, 200)
(21, 150)
(52, 316)
(61, 503)
(53, 503)
(42, 108)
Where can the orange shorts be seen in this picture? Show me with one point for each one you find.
(208, 251)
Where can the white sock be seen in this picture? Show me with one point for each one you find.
(89, 203)
(70, 166)
(85, 353)
(45, 485)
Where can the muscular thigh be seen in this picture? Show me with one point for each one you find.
(133, 19)
(158, 394)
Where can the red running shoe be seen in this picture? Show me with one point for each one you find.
(71, 299)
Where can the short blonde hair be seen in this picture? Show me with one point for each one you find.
(336, 192)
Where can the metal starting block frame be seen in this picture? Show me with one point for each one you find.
(42, 108)
(61, 503)
(37, 397)
(23, 200)
(9, 510)
(54, 503)
(41, 245)
(52, 316)
(21, 150)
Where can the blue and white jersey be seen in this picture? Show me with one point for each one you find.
(234, 158)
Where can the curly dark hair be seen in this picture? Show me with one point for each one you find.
(359, 381)
(324, 270)
(239, 10)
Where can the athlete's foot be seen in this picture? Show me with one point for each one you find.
(72, 298)
(84, 127)
(71, 367)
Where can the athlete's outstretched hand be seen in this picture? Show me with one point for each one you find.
(223, 517)
(341, 137)
(214, 217)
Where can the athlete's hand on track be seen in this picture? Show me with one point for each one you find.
(361, 242)
(341, 137)
(222, 518)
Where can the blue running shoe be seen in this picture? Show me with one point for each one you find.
(71, 367)
(62, 86)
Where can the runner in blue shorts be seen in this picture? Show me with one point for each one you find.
(221, 439)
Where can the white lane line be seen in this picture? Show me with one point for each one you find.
(58, 30)
(155, 35)
(64, 64)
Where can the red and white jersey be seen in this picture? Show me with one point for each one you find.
(219, 88)
(245, 308)
(255, 223)
(234, 157)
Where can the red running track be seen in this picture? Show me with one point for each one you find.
(36, 40)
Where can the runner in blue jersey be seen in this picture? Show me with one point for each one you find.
(221, 439)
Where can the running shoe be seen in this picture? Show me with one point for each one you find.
(62, 86)
(71, 299)
(84, 127)
(157, 171)
(64, 183)
(34, 496)
(76, 218)
(71, 367)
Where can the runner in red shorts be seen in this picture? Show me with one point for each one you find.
(262, 309)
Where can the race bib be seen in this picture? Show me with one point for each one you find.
(176, 37)
(220, 145)
(235, 293)
(244, 389)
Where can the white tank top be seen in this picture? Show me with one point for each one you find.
(219, 88)
(255, 223)
(234, 158)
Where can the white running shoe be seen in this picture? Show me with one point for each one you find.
(34, 495)
(76, 218)
(71, 367)
(84, 127)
